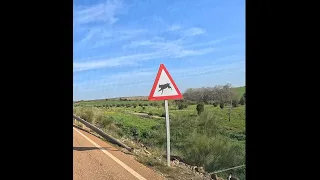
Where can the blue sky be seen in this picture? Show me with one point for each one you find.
(118, 45)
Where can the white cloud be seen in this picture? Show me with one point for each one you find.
(146, 76)
(167, 51)
(193, 32)
(156, 47)
(103, 12)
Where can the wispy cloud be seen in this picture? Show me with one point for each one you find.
(174, 27)
(194, 31)
(146, 76)
(157, 48)
(102, 12)
(164, 49)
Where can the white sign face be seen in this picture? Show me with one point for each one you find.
(164, 86)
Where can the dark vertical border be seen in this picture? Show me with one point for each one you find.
(39, 81)
(274, 98)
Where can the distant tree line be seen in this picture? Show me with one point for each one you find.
(217, 95)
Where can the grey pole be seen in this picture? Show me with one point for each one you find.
(168, 131)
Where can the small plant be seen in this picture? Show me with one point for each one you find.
(200, 108)
(87, 115)
(134, 132)
(182, 106)
(242, 101)
(235, 103)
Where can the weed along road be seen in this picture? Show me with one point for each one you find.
(94, 159)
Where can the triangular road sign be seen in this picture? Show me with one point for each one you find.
(164, 88)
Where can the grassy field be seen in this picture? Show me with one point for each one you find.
(209, 140)
(240, 90)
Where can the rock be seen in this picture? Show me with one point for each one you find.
(194, 168)
(200, 169)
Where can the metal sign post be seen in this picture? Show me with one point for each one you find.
(168, 131)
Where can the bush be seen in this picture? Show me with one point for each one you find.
(221, 105)
(180, 106)
(150, 113)
(215, 104)
(87, 115)
(118, 105)
(242, 102)
(212, 152)
(134, 106)
(143, 107)
(200, 108)
(134, 132)
(235, 103)
(104, 121)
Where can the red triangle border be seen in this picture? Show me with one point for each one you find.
(151, 98)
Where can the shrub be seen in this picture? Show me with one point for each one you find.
(134, 132)
(212, 152)
(103, 121)
(235, 103)
(214, 104)
(181, 104)
(242, 102)
(87, 115)
(134, 106)
(200, 108)
(143, 107)
(221, 105)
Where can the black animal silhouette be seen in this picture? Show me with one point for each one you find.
(164, 86)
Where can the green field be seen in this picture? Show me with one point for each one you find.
(209, 139)
(240, 90)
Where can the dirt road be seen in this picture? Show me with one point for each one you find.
(94, 159)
